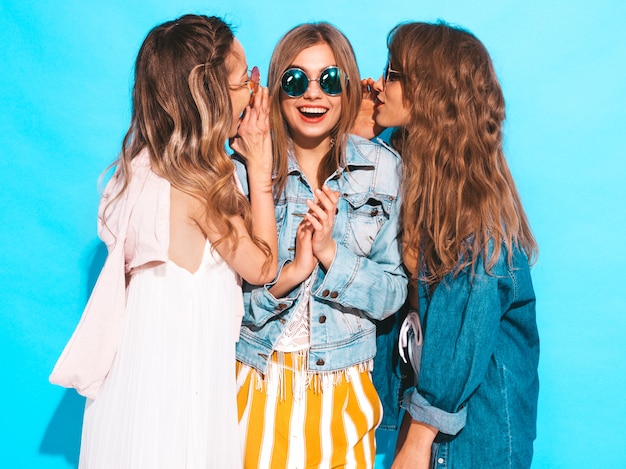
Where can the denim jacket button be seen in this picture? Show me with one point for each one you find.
(334, 294)
(281, 306)
(325, 293)
(322, 319)
(440, 460)
(320, 362)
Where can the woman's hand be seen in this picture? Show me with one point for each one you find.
(297, 271)
(365, 125)
(321, 216)
(253, 140)
(304, 261)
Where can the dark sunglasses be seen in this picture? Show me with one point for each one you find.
(295, 82)
(389, 74)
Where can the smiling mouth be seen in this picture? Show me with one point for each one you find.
(312, 112)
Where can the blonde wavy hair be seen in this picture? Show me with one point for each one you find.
(459, 198)
(182, 114)
(290, 45)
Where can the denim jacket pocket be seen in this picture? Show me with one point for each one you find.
(352, 320)
(367, 213)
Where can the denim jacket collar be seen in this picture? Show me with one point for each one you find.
(353, 159)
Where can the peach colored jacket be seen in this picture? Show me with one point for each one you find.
(136, 232)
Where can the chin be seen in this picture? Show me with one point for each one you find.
(234, 131)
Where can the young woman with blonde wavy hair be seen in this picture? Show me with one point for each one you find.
(467, 246)
(154, 351)
(308, 338)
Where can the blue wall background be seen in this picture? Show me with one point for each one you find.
(65, 105)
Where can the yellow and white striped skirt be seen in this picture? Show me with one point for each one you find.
(295, 419)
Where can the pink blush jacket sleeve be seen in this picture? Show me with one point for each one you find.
(136, 233)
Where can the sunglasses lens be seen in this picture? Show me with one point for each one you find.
(330, 81)
(294, 82)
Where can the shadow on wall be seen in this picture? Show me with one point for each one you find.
(62, 437)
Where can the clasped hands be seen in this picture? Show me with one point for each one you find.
(314, 240)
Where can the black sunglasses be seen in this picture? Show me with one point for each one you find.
(295, 81)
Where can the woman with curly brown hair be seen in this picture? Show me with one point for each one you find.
(467, 246)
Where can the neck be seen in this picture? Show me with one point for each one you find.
(309, 155)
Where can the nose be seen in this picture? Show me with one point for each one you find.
(379, 84)
(313, 90)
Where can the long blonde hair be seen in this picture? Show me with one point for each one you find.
(182, 114)
(459, 197)
(290, 45)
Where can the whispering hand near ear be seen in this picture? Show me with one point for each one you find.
(364, 125)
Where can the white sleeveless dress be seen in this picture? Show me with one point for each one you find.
(169, 400)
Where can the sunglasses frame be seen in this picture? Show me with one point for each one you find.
(389, 74)
(252, 82)
(343, 80)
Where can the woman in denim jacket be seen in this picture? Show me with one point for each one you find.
(308, 338)
(466, 243)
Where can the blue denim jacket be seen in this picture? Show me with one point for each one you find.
(478, 382)
(366, 281)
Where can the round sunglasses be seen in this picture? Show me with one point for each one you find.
(295, 81)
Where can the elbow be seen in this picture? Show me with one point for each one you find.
(265, 274)
(265, 278)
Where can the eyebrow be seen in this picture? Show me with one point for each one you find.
(324, 67)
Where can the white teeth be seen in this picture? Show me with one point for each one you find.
(312, 110)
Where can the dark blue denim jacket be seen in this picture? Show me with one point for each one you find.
(478, 382)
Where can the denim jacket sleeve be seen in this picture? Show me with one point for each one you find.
(461, 322)
(265, 306)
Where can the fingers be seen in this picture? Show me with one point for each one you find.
(258, 112)
(364, 87)
(323, 208)
(260, 100)
(327, 197)
(304, 229)
(367, 88)
(325, 201)
(315, 220)
(256, 117)
(265, 107)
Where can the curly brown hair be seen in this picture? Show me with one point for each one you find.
(459, 198)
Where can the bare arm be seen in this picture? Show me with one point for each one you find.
(254, 143)
(414, 444)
